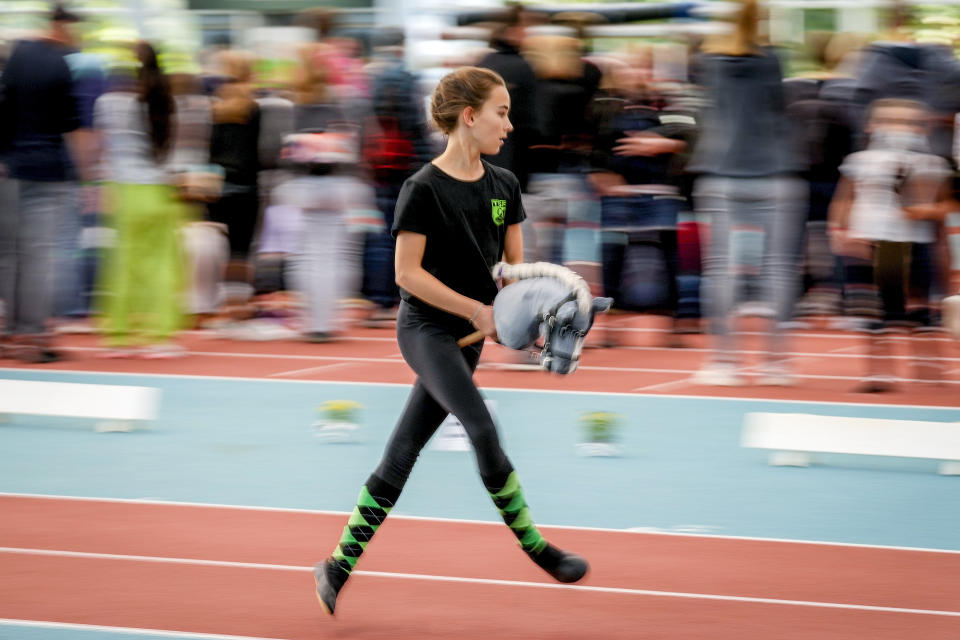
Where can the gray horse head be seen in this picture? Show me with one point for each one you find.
(547, 309)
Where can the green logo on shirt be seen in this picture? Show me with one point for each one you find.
(499, 211)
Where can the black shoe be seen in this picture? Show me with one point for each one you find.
(33, 354)
(562, 565)
(875, 384)
(330, 578)
(319, 337)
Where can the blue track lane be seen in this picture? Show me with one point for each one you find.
(251, 443)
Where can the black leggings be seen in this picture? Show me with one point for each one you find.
(444, 385)
(893, 288)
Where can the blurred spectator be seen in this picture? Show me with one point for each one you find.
(395, 146)
(205, 243)
(747, 191)
(75, 265)
(37, 107)
(276, 238)
(821, 111)
(559, 162)
(143, 275)
(640, 150)
(900, 67)
(325, 154)
(234, 145)
(505, 59)
(277, 245)
(883, 222)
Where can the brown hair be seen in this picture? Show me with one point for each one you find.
(744, 40)
(235, 101)
(322, 20)
(555, 57)
(311, 80)
(465, 87)
(154, 90)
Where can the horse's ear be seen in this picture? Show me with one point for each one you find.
(566, 313)
(601, 304)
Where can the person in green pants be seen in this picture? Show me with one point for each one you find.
(142, 279)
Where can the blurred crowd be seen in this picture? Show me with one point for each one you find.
(139, 202)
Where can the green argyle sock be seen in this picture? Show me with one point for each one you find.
(513, 507)
(366, 518)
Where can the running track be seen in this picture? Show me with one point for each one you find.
(244, 572)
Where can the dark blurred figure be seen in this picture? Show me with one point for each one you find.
(506, 60)
(276, 122)
(822, 112)
(640, 150)
(234, 145)
(395, 147)
(559, 161)
(75, 262)
(883, 221)
(38, 106)
(900, 67)
(748, 191)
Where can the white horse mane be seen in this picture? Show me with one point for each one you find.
(566, 276)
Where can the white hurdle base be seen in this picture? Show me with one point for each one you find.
(794, 436)
(118, 408)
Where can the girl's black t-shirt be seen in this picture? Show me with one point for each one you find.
(465, 224)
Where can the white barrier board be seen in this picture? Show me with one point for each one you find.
(810, 433)
(68, 399)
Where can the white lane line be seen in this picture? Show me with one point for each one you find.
(664, 386)
(793, 334)
(534, 390)
(259, 356)
(396, 361)
(325, 367)
(487, 581)
(159, 633)
(857, 349)
(833, 353)
(207, 335)
(394, 515)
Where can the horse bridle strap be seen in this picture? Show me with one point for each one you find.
(550, 318)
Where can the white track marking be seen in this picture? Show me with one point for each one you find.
(845, 352)
(830, 336)
(395, 361)
(485, 581)
(566, 392)
(323, 367)
(394, 515)
(256, 356)
(663, 386)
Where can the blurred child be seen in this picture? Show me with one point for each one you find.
(883, 223)
(324, 155)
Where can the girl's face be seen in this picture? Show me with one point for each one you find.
(490, 125)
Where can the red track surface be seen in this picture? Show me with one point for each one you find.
(829, 365)
(276, 601)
